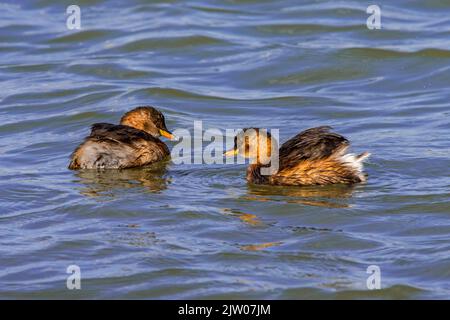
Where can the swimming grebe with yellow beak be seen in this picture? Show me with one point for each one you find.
(133, 143)
(313, 157)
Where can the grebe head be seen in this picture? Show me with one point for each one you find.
(253, 143)
(147, 119)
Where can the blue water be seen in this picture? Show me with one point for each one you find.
(200, 231)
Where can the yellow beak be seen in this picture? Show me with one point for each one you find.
(229, 153)
(167, 134)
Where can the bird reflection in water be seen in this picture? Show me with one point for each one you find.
(260, 246)
(101, 183)
(332, 196)
(247, 218)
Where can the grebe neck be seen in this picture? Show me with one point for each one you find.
(254, 174)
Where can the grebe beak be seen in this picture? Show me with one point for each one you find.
(168, 135)
(229, 153)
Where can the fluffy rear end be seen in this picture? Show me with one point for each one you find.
(94, 154)
(355, 162)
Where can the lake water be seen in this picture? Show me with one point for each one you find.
(200, 231)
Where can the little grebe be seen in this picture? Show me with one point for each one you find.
(313, 157)
(132, 143)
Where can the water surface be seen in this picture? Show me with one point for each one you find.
(199, 231)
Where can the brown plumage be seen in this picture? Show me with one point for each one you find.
(313, 157)
(132, 143)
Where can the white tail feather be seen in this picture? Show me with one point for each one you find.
(354, 161)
